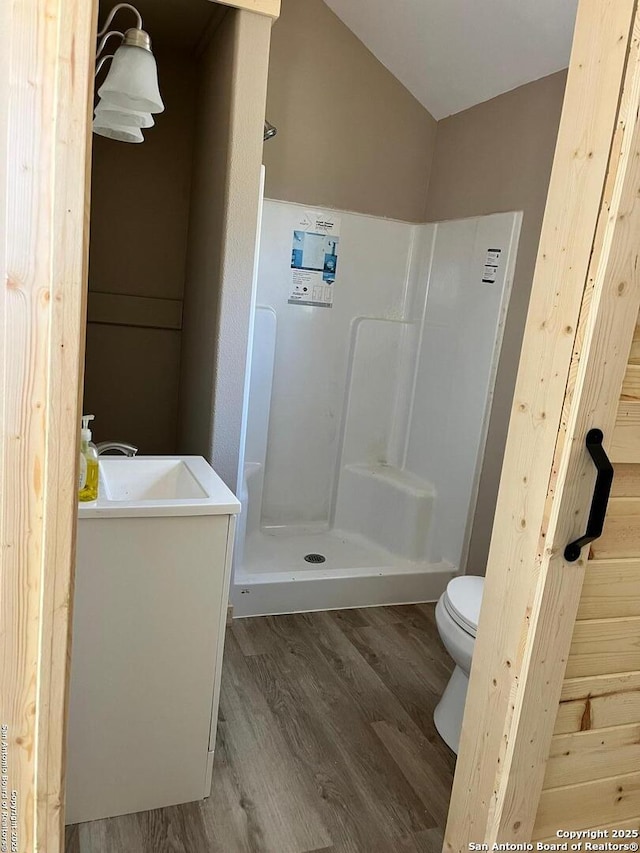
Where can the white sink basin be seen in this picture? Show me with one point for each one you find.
(159, 485)
(149, 480)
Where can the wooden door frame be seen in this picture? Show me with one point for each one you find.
(45, 101)
(583, 310)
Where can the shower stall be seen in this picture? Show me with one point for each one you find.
(366, 421)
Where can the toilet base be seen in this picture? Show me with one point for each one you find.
(450, 709)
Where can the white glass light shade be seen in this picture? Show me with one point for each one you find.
(132, 81)
(118, 132)
(112, 114)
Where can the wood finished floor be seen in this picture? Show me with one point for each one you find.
(325, 743)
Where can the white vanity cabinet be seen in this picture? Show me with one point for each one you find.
(152, 580)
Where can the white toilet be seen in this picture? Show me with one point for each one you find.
(457, 614)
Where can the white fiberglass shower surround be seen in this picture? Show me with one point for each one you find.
(366, 421)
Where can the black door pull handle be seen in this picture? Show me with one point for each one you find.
(600, 498)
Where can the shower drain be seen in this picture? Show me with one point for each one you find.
(315, 558)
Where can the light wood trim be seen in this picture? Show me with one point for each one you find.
(43, 256)
(601, 646)
(531, 595)
(584, 756)
(611, 589)
(598, 711)
(625, 444)
(599, 685)
(579, 806)
(623, 508)
(634, 823)
(634, 354)
(621, 535)
(571, 717)
(271, 8)
(631, 384)
(626, 481)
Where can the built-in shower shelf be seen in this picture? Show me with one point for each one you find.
(402, 480)
(388, 506)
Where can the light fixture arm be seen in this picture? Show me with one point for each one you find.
(101, 62)
(114, 12)
(105, 39)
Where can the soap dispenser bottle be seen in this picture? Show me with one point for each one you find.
(89, 471)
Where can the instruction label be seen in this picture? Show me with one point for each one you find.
(314, 259)
(491, 265)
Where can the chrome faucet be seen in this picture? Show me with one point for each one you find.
(122, 447)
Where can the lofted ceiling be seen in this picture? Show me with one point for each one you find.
(453, 54)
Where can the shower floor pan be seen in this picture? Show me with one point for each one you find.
(275, 578)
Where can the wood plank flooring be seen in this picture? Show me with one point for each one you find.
(326, 744)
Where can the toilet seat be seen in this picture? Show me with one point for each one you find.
(462, 601)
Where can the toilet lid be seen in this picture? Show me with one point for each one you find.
(463, 599)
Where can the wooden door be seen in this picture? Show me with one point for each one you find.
(592, 777)
(583, 310)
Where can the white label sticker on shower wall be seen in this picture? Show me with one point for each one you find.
(314, 258)
(491, 264)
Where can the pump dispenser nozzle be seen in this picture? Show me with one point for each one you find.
(85, 435)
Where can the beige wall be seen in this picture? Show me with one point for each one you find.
(210, 157)
(496, 157)
(222, 237)
(139, 220)
(350, 135)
